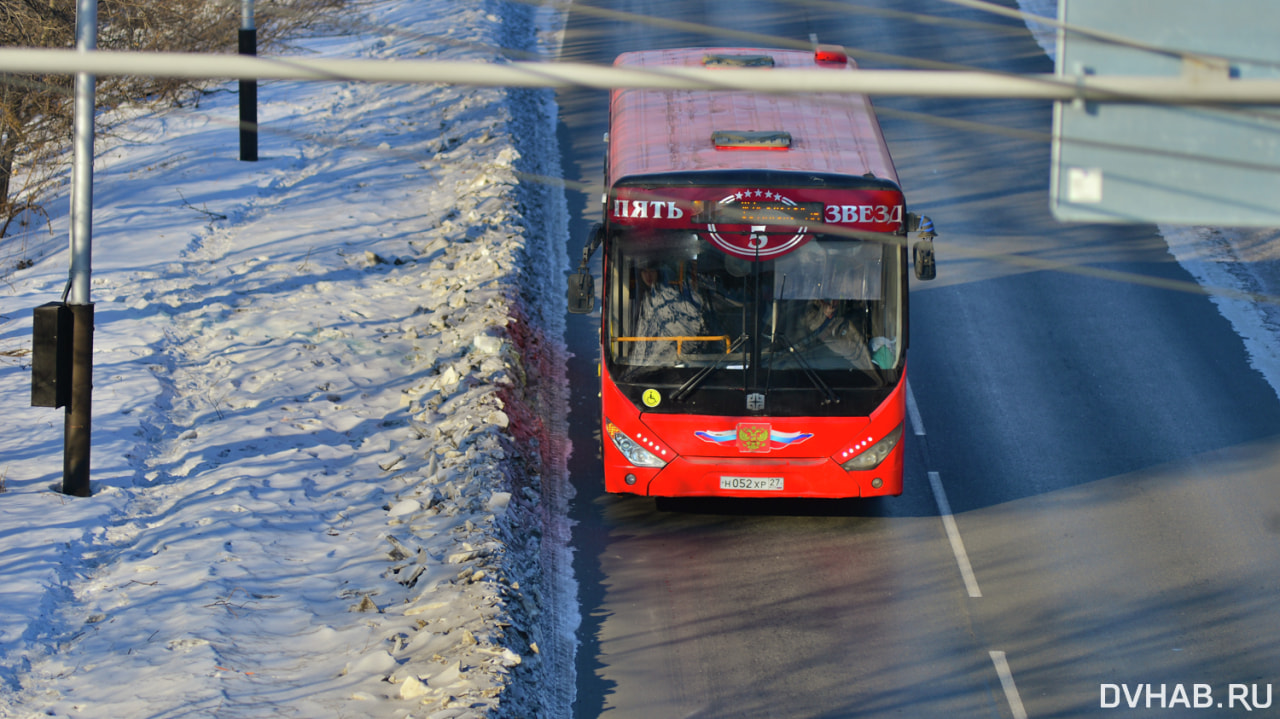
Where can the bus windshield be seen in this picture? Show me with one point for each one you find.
(827, 312)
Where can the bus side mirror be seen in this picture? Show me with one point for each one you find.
(582, 293)
(582, 289)
(922, 256)
(922, 251)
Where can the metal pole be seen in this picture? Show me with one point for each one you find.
(248, 88)
(886, 83)
(76, 438)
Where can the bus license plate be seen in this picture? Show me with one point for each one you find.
(752, 484)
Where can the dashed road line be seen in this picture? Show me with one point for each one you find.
(962, 561)
(913, 412)
(953, 534)
(1006, 681)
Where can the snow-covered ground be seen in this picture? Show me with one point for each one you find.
(1238, 266)
(328, 456)
(327, 388)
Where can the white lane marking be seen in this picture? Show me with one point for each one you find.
(1010, 689)
(913, 412)
(953, 534)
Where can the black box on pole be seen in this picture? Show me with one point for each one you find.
(51, 356)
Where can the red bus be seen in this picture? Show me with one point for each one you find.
(754, 321)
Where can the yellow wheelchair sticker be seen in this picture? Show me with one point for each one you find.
(651, 398)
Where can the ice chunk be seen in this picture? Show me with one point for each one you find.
(498, 501)
(412, 688)
(403, 507)
(487, 345)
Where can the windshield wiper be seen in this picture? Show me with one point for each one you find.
(695, 381)
(828, 395)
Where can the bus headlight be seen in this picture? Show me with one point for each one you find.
(872, 456)
(632, 450)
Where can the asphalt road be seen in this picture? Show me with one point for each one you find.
(1107, 452)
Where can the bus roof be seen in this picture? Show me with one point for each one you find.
(661, 131)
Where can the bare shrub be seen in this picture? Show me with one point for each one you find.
(36, 110)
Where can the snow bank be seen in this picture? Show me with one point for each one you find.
(328, 466)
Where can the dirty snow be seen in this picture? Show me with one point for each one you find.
(328, 456)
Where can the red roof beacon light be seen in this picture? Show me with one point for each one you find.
(830, 55)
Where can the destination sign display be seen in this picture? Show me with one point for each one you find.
(758, 223)
(767, 212)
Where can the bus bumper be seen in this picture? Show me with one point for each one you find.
(817, 477)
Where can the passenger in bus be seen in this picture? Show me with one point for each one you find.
(665, 309)
(829, 326)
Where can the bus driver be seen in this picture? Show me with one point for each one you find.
(828, 326)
